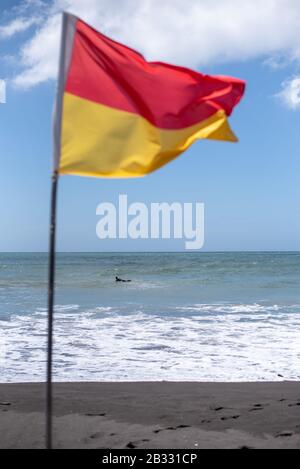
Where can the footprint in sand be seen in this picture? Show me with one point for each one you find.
(134, 444)
(234, 417)
(130, 445)
(257, 407)
(95, 435)
(171, 428)
(284, 434)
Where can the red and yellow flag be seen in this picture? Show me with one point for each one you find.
(118, 115)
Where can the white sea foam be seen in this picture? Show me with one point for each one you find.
(211, 342)
(229, 309)
(59, 308)
(143, 285)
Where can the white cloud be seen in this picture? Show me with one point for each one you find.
(15, 26)
(39, 55)
(290, 94)
(187, 32)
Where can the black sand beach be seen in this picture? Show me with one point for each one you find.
(153, 415)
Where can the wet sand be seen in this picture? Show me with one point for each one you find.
(153, 415)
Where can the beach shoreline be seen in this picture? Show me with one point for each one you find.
(187, 415)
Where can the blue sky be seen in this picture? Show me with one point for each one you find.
(251, 190)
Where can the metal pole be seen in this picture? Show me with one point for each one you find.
(51, 285)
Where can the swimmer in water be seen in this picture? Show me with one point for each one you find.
(121, 280)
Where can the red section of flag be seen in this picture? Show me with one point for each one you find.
(169, 97)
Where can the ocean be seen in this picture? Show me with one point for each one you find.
(184, 317)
